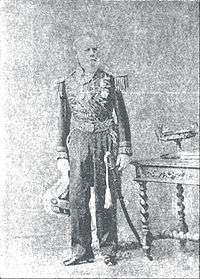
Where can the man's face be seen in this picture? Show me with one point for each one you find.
(87, 53)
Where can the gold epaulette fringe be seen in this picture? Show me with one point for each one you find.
(121, 83)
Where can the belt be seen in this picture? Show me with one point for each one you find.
(92, 127)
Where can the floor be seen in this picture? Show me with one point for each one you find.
(41, 256)
(40, 248)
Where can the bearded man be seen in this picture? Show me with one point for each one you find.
(93, 123)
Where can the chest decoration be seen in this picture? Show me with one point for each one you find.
(93, 97)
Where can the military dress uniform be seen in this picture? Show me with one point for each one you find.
(92, 122)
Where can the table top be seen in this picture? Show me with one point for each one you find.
(173, 163)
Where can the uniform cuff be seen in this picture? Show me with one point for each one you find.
(62, 155)
(60, 148)
(62, 152)
(125, 148)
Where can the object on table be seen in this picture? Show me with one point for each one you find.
(165, 135)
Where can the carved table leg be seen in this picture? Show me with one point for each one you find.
(182, 226)
(147, 236)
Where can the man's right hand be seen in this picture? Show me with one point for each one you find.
(63, 167)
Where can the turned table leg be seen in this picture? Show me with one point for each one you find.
(147, 236)
(182, 226)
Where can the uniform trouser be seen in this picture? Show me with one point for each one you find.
(87, 169)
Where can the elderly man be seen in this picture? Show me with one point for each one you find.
(94, 123)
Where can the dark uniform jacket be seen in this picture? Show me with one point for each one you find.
(86, 105)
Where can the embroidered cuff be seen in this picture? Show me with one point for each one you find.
(125, 148)
(61, 148)
(62, 152)
(62, 155)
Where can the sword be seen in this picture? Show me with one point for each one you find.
(115, 175)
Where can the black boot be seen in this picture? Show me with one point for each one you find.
(88, 256)
(110, 260)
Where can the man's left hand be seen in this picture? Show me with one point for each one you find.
(122, 161)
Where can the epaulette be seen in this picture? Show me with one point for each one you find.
(121, 82)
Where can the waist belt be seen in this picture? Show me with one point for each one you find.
(92, 127)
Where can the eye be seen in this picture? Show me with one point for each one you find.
(94, 49)
(87, 49)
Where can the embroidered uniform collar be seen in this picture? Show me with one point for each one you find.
(83, 78)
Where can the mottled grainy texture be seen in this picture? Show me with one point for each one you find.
(156, 44)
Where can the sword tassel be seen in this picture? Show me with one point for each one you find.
(108, 198)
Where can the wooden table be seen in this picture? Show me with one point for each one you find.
(174, 171)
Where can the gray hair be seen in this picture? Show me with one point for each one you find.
(87, 36)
